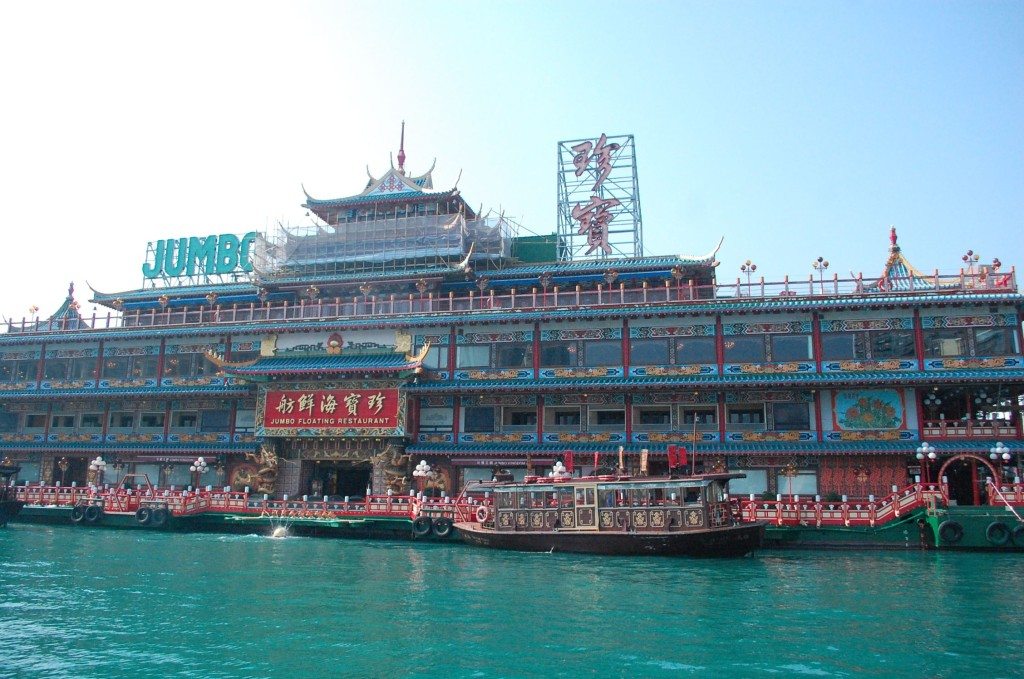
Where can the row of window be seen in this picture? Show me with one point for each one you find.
(757, 416)
(859, 345)
(112, 367)
(125, 421)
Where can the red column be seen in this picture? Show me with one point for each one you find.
(919, 339)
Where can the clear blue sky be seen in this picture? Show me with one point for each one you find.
(793, 129)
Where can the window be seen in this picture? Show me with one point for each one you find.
(184, 420)
(473, 356)
(608, 418)
(756, 482)
(602, 353)
(244, 356)
(8, 422)
(868, 344)
(696, 350)
(653, 416)
(943, 342)
(994, 342)
(151, 421)
(891, 344)
(35, 421)
(565, 417)
(513, 356)
(791, 416)
(557, 355)
(436, 419)
(18, 371)
(519, 418)
(62, 422)
(740, 349)
(837, 346)
(115, 367)
(91, 421)
(214, 420)
(791, 347)
(55, 369)
(648, 352)
(245, 420)
(705, 417)
(82, 369)
(804, 482)
(478, 419)
(745, 415)
(144, 366)
(122, 420)
(436, 358)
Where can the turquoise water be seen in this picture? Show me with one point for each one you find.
(96, 603)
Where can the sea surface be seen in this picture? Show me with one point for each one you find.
(103, 603)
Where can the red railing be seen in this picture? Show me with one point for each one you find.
(664, 292)
(986, 429)
(183, 503)
(796, 511)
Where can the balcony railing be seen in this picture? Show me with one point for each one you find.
(670, 292)
(966, 429)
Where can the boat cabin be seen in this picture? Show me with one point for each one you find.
(613, 504)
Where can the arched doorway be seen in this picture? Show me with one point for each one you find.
(967, 484)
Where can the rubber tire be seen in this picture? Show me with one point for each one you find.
(144, 515)
(1018, 535)
(78, 513)
(92, 514)
(421, 526)
(443, 527)
(158, 518)
(998, 533)
(951, 532)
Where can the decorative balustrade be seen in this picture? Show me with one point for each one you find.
(665, 293)
(984, 429)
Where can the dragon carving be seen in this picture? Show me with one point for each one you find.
(261, 473)
(394, 468)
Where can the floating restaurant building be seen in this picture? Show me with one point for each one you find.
(404, 326)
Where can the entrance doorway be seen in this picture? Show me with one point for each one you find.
(967, 479)
(338, 479)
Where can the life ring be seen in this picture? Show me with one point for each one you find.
(1018, 535)
(143, 515)
(92, 514)
(443, 527)
(998, 533)
(158, 518)
(951, 532)
(483, 512)
(78, 513)
(421, 526)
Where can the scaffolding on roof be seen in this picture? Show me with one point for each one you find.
(394, 243)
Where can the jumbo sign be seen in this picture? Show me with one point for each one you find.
(208, 255)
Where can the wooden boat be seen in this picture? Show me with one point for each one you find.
(9, 506)
(687, 516)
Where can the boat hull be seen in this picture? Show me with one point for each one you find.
(730, 541)
(8, 510)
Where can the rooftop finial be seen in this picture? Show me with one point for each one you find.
(71, 289)
(892, 235)
(401, 151)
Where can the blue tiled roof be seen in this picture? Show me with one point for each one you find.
(375, 198)
(135, 391)
(390, 362)
(809, 379)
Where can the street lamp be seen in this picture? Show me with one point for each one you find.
(926, 451)
(748, 268)
(97, 467)
(559, 470)
(820, 264)
(421, 472)
(198, 468)
(999, 452)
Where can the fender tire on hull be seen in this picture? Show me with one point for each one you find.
(92, 514)
(78, 513)
(998, 533)
(1018, 535)
(421, 526)
(443, 527)
(158, 518)
(144, 515)
(951, 532)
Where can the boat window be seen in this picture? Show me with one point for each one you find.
(522, 500)
(505, 500)
(673, 497)
(590, 496)
(551, 498)
(536, 499)
(715, 494)
(657, 497)
(565, 497)
(641, 497)
(606, 497)
(691, 495)
(580, 496)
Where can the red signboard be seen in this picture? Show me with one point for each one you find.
(333, 409)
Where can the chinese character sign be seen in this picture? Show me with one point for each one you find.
(318, 409)
(593, 217)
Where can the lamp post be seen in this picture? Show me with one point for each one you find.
(820, 264)
(97, 467)
(748, 268)
(198, 468)
(999, 452)
(421, 472)
(559, 470)
(62, 465)
(925, 451)
(970, 259)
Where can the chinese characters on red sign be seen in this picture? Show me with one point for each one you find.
(594, 217)
(315, 409)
